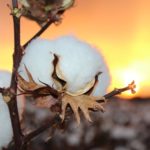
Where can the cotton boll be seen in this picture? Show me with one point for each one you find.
(78, 64)
(6, 132)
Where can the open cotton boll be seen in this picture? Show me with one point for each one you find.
(78, 64)
(6, 132)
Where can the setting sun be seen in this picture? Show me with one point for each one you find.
(129, 76)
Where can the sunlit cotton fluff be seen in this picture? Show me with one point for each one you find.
(79, 62)
(6, 132)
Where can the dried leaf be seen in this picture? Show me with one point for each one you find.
(82, 102)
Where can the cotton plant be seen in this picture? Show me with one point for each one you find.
(6, 133)
(81, 73)
(62, 74)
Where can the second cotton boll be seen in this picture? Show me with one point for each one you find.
(78, 64)
(6, 133)
(5, 123)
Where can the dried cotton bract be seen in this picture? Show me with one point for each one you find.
(6, 133)
(79, 65)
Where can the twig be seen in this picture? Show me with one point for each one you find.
(12, 104)
(52, 20)
(116, 91)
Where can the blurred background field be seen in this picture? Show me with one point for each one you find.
(124, 126)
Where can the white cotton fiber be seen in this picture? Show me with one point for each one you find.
(6, 132)
(79, 62)
(38, 59)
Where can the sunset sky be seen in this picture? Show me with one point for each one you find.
(119, 28)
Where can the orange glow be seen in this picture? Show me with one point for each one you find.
(120, 29)
(128, 76)
(5, 58)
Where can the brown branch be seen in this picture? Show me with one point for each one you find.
(52, 20)
(12, 104)
(116, 91)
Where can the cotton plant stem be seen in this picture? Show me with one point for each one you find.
(12, 104)
(52, 20)
(19, 139)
